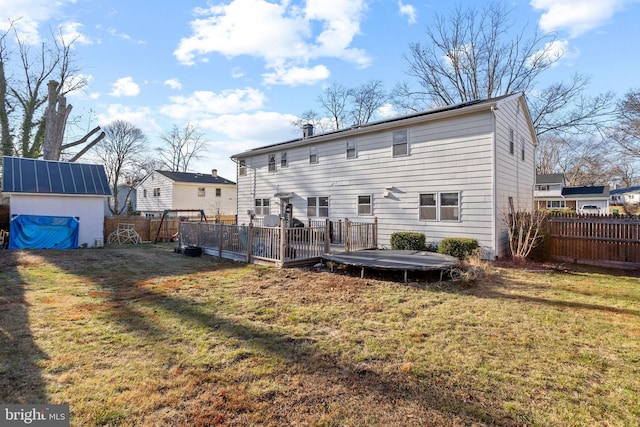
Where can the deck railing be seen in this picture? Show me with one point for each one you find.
(279, 245)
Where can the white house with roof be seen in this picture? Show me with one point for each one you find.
(551, 193)
(448, 172)
(162, 190)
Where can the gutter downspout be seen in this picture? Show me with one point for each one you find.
(494, 159)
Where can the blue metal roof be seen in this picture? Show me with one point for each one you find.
(22, 175)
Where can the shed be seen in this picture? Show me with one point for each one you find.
(51, 198)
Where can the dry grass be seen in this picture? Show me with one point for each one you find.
(143, 336)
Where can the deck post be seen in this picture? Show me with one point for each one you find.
(283, 242)
(327, 236)
(375, 232)
(347, 235)
(198, 232)
(249, 241)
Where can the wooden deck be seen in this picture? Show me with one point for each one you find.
(393, 260)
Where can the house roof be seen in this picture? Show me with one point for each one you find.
(435, 113)
(598, 190)
(634, 189)
(195, 178)
(22, 175)
(550, 178)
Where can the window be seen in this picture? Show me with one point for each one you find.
(201, 192)
(351, 148)
(272, 162)
(318, 207)
(144, 192)
(511, 142)
(242, 167)
(556, 204)
(428, 207)
(218, 192)
(522, 148)
(439, 207)
(364, 205)
(400, 144)
(283, 160)
(156, 192)
(313, 155)
(545, 187)
(262, 206)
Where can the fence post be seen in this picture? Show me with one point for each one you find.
(219, 225)
(198, 230)
(375, 232)
(283, 242)
(347, 235)
(327, 236)
(249, 241)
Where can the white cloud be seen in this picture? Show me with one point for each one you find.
(551, 52)
(296, 76)
(173, 84)
(250, 130)
(71, 32)
(27, 16)
(140, 117)
(204, 104)
(282, 34)
(577, 16)
(124, 36)
(125, 86)
(388, 111)
(409, 11)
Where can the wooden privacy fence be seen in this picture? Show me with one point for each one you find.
(606, 240)
(147, 227)
(283, 246)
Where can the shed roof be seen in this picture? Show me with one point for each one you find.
(191, 177)
(35, 176)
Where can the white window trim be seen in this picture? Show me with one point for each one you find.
(284, 161)
(261, 211)
(512, 141)
(313, 155)
(317, 207)
(351, 141)
(439, 207)
(393, 144)
(271, 162)
(370, 204)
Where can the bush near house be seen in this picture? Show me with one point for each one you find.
(459, 247)
(408, 240)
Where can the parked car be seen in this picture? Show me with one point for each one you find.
(590, 210)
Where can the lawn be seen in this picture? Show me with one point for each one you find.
(144, 336)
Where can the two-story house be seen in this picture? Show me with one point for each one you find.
(551, 193)
(162, 190)
(447, 172)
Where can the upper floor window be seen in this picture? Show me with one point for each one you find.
(144, 192)
(272, 162)
(512, 142)
(351, 148)
(543, 187)
(218, 192)
(313, 155)
(242, 167)
(201, 191)
(156, 192)
(283, 159)
(522, 152)
(318, 207)
(400, 143)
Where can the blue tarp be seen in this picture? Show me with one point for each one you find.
(43, 232)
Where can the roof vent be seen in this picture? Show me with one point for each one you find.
(307, 130)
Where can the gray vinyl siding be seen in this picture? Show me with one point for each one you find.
(152, 203)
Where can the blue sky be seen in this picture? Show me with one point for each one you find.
(242, 70)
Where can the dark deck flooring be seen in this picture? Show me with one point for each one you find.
(394, 260)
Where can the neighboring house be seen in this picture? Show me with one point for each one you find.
(625, 196)
(45, 188)
(162, 190)
(447, 172)
(551, 193)
(126, 201)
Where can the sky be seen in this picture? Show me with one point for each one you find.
(242, 71)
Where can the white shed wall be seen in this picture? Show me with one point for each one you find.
(90, 210)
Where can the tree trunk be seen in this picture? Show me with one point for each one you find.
(56, 116)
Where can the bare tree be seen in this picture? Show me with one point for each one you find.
(122, 154)
(474, 54)
(525, 230)
(180, 147)
(23, 97)
(334, 102)
(310, 117)
(366, 100)
(627, 132)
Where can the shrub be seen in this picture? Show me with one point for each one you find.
(459, 247)
(409, 240)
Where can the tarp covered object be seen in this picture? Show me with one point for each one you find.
(43, 232)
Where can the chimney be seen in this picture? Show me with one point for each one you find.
(214, 173)
(307, 130)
